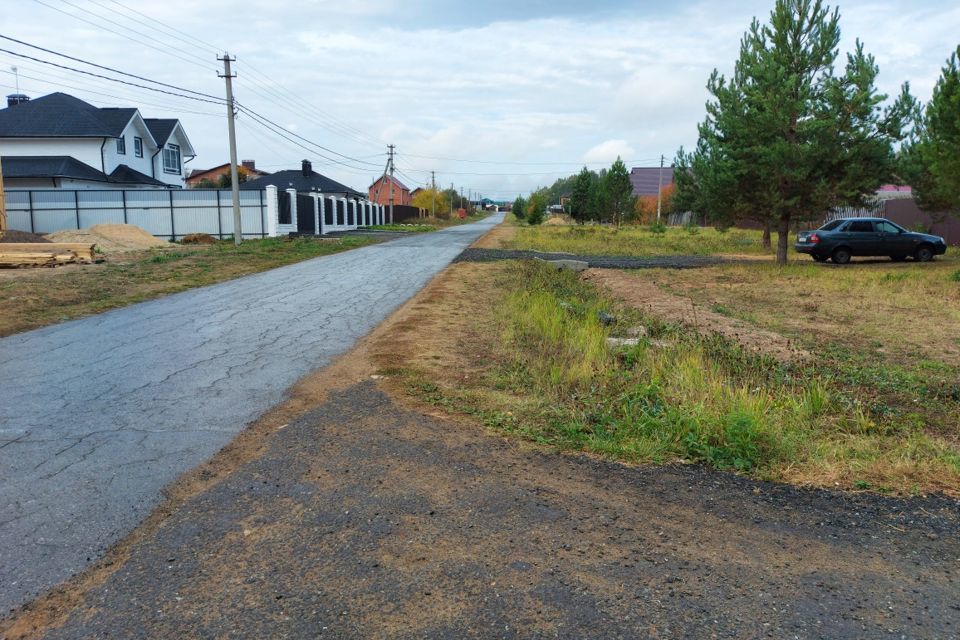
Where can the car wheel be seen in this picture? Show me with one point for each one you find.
(818, 258)
(841, 256)
(898, 258)
(923, 254)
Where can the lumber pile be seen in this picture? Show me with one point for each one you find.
(45, 254)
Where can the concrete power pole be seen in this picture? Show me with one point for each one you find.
(433, 188)
(3, 204)
(391, 148)
(660, 189)
(453, 193)
(231, 128)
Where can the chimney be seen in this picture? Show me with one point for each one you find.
(249, 164)
(17, 98)
(307, 168)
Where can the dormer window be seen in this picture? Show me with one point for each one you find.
(138, 147)
(171, 159)
(122, 146)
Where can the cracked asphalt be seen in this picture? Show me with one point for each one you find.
(99, 414)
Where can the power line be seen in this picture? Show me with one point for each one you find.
(97, 75)
(533, 164)
(118, 33)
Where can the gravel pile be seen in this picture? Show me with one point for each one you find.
(597, 262)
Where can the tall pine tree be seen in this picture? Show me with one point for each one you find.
(787, 137)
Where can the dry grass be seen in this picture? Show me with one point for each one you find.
(31, 298)
(519, 348)
(638, 241)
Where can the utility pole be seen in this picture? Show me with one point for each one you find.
(3, 204)
(231, 128)
(454, 192)
(391, 148)
(660, 189)
(433, 188)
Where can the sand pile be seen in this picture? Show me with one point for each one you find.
(111, 238)
(556, 220)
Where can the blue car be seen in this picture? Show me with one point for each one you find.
(839, 240)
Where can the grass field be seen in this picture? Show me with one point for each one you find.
(521, 349)
(31, 298)
(638, 241)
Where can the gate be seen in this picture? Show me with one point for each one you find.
(305, 215)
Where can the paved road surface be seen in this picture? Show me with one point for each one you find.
(99, 414)
(362, 520)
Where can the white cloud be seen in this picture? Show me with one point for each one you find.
(607, 152)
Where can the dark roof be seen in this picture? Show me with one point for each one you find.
(645, 180)
(294, 179)
(68, 167)
(49, 167)
(161, 128)
(61, 115)
(125, 175)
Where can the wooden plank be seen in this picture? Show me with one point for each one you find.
(82, 250)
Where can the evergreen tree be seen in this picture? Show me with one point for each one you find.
(932, 159)
(619, 191)
(520, 208)
(537, 207)
(580, 196)
(599, 201)
(787, 138)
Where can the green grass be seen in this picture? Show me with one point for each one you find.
(34, 299)
(638, 241)
(550, 376)
(405, 228)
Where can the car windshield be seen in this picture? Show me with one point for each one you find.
(830, 226)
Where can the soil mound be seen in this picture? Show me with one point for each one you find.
(20, 236)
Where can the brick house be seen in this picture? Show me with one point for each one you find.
(246, 166)
(379, 191)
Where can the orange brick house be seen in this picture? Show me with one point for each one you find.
(246, 166)
(379, 191)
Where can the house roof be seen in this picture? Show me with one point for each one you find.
(62, 115)
(161, 128)
(294, 179)
(387, 179)
(197, 173)
(645, 180)
(68, 167)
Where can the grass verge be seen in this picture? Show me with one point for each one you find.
(38, 297)
(638, 241)
(523, 350)
(405, 228)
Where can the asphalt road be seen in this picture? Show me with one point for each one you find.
(364, 520)
(98, 415)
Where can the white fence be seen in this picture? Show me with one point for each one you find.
(165, 213)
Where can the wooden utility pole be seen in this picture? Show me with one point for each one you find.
(231, 128)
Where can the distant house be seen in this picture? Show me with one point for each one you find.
(413, 194)
(304, 180)
(61, 142)
(645, 180)
(379, 191)
(249, 167)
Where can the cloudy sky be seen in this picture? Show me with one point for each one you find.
(496, 96)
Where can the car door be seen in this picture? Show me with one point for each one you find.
(895, 242)
(863, 238)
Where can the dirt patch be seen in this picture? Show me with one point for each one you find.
(12, 235)
(643, 292)
(111, 238)
(496, 237)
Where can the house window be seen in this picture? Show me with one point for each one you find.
(138, 147)
(122, 146)
(171, 158)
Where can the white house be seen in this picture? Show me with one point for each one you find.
(62, 142)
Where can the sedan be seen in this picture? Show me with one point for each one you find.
(839, 240)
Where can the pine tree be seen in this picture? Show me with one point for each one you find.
(787, 138)
(520, 208)
(932, 159)
(619, 191)
(580, 197)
